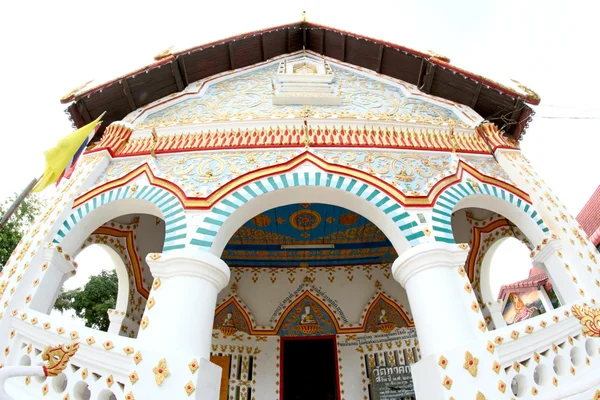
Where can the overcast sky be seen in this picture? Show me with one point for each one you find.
(49, 47)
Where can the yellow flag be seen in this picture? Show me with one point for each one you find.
(59, 157)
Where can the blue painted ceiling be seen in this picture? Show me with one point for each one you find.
(356, 240)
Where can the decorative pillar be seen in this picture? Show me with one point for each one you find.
(57, 267)
(495, 308)
(116, 321)
(458, 361)
(549, 258)
(432, 279)
(181, 307)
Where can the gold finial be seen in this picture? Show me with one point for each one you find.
(303, 16)
(529, 92)
(164, 54)
(154, 142)
(73, 92)
(437, 56)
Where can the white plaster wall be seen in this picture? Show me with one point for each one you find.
(579, 254)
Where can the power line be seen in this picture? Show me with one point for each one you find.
(560, 117)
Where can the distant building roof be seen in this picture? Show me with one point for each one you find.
(537, 278)
(589, 217)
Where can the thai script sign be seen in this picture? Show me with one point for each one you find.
(391, 383)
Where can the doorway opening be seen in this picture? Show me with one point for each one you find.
(309, 369)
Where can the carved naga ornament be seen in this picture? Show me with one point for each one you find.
(56, 357)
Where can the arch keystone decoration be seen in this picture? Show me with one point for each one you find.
(451, 196)
(168, 204)
(405, 222)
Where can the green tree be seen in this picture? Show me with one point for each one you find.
(13, 231)
(93, 301)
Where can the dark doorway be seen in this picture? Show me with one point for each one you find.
(309, 369)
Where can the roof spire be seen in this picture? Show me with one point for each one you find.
(303, 16)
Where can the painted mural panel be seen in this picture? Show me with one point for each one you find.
(230, 320)
(523, 305)
(307, 318)
(353, 239)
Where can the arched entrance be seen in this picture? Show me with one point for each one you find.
(311, 288)
(484, 216)
(127, 223)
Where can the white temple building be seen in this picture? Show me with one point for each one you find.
(305, 213)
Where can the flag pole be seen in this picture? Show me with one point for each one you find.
(15, 205)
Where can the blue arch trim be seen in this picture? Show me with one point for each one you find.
(169, 205)
(406, 223)
(447, 200)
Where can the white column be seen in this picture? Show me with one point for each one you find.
(495, 310)
(442, 314)
(116, 321)
(546, 300)
(181, 307)
(561, 278)
(57, 267)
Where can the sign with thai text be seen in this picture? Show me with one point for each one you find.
(391, 383)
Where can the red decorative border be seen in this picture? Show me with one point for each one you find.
(130, 242)
(197, 203)
(476, 243)
(307, 294)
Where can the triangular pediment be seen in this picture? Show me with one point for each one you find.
(266, 92)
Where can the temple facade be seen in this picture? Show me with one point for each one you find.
(304, 213)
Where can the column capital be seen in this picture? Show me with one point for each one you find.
(116, 316)
(495, 306)
(57, 257)
(428, 255)
(549, 249)
(184, 263)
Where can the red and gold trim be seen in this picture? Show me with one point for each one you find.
(409, 322)
(492, 135)
(116, 140)
(197, 203)
(307, 294)
(133, 256)
(476, 243)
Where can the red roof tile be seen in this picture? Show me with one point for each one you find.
(537, 277)
(589, 216)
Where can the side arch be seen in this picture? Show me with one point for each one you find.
(484, 195)
(131, 198)
(387, 207)
(122, 276)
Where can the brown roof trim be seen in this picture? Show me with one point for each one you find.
(530, 98)
(432, 73)
(166, 60)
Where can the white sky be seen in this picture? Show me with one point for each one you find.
(48, 48)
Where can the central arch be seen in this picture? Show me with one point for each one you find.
(307, 186)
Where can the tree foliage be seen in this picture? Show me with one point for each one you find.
(13, 231)
(93, 301)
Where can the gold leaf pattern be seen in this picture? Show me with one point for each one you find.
(471, 363)
(161, 371)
